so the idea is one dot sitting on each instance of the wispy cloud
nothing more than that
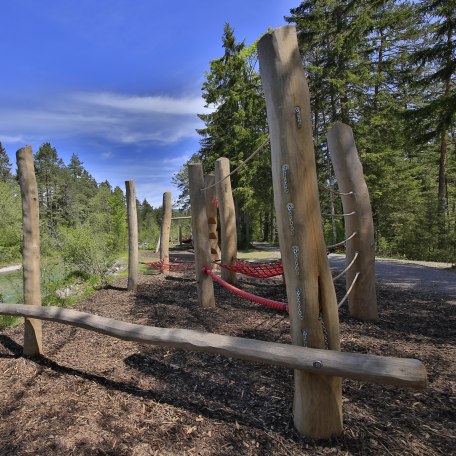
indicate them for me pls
(11, 139)
(116, 118)
(147, 104)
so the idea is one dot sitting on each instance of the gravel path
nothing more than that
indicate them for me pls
(424, 277)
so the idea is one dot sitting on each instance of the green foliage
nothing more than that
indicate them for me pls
(87, 253)
(10, 222)
(236, 128)
(5, 165)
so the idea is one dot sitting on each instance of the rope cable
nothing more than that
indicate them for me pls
(341, 243)
(349, 290)
(339, 215)
(324, 187)
(276, 305)
(348, 267)
(240, 166)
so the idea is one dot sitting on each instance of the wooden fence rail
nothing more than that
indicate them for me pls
(377, 369)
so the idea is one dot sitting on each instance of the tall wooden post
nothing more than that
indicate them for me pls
(31, 250)
(311, 297)
(211, 211)
(165, 230)
(132, 236)
(227, 218)
(362, 300)
(201, 243)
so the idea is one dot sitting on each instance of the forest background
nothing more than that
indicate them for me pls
(386, 68)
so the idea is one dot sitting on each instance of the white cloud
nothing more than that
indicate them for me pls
(12, 139)
(147, 104)
(109, 117)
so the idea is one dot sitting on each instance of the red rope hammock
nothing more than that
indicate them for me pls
(276, 305)
(251, 269)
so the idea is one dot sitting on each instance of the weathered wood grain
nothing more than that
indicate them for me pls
(133, 254)
(311, 296)
(201, 243)
(348, 169)
(31, 250)
(228, 232)
(403, 372)
(165, 230)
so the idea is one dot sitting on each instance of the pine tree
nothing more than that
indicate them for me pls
(237, 126)
(5, 165)
(435, 114)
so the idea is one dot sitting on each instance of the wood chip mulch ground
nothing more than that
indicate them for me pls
(95, 395)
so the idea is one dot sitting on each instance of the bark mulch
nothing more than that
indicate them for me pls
(95, 395)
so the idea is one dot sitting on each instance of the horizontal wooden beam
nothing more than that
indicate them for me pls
(186, 217)
(377, 369)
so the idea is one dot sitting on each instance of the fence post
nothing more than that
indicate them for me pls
(362, 300)
(211, 210)
(132, 235)
(201, 243)
(31, 250)
(227, 218)
(312, 301)
(165, 230)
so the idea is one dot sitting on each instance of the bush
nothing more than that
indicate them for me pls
(86, 253)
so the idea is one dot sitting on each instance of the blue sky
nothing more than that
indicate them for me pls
(117, 82)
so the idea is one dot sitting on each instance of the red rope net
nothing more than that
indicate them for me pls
(251, 269)
(276, 305)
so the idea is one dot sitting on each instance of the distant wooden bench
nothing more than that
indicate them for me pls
(404, 372)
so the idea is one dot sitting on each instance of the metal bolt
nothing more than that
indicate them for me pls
(285, 177)
(298, 116)
(317, 364)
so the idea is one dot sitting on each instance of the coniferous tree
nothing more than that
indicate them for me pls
(5, 165)
(236, 127)
(434, 114)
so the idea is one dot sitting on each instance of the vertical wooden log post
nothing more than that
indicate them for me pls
(132, 236)
(211, 211)
(312, 301)
(201, 242)
(31, 250)
(227, 218)
(165, 230)
(362, 300)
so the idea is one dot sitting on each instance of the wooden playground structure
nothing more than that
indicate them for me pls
(315, 353)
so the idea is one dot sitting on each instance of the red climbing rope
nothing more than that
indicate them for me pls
(276, 305)
(175, 265)
(259, 270)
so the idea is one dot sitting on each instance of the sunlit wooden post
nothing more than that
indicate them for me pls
(132, 235)
(211, 210)
(362, 300)
(311, 297)
(227, 218)
(31, 249)
(165, 230)
(201, 242)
